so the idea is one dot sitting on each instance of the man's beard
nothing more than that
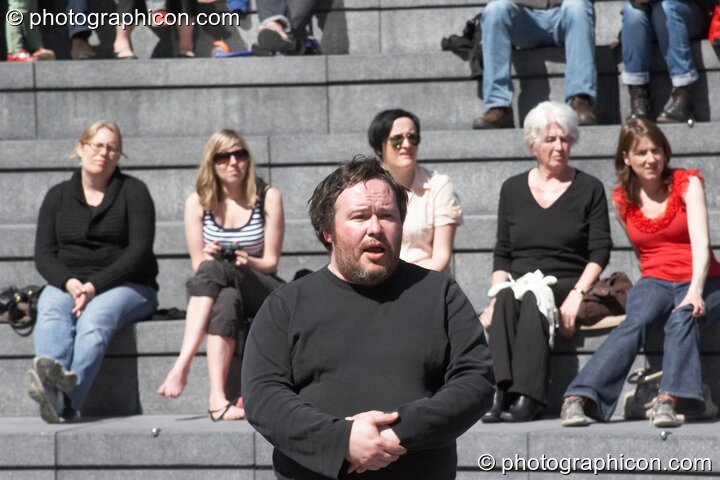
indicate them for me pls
(349, 266)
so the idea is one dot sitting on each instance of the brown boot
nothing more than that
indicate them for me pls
(495, 117)
(582, 106)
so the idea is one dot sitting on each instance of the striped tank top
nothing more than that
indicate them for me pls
(251, 236)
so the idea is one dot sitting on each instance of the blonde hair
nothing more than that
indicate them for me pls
(207, 184)
(92, 130)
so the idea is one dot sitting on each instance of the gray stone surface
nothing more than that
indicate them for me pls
(17, 115)
(167, 74)
(129, 442)
(16, 77)
(27, 444)
(237, 473)
(184, 111)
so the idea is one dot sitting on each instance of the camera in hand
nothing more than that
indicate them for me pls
(228, 253)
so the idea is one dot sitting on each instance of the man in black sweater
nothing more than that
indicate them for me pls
(371, 365)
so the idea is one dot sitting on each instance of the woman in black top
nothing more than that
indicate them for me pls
(552, 218)
(94, 244)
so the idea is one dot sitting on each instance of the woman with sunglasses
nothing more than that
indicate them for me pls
(234, 227)
(552, 219)
(94, 246)
(433, 211)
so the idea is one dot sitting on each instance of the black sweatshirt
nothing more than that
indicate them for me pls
(321, 349)
(107, 245)
(559, 240)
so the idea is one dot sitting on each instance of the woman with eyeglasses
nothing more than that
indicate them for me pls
(94, 247)
(553, 241)
(433, 212)
(234, 226)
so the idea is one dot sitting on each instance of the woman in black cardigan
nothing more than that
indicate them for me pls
(93, 246)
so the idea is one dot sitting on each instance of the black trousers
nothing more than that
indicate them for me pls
(519, 337)
(238, 292)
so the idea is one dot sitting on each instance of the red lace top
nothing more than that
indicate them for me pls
(663, 243)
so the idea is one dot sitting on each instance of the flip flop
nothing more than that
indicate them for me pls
(222, 411)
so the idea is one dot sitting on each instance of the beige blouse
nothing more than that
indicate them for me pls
(432, 203)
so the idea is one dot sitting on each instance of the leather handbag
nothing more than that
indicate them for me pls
(606, 297)
(18, 307)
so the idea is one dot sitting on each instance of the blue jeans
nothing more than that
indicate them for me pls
(505, 23)
(79, 343)
(673, 23)
(650, 301)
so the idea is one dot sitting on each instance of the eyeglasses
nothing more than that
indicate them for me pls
(224, 157)
(396, 141)
(98, 147)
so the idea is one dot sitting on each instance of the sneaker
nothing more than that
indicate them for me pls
(52, 373)
(582, 106)
(572, 413)
(663, 413)
(20, 56)
(44, 54)
(495, 117)
(50, 399)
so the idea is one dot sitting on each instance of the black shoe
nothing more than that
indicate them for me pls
(524, 409)
(493, 415)
(677, 109)
(583, 107)
(639, 102)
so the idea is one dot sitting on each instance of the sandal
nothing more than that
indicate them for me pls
(123, 54)
(222, 411)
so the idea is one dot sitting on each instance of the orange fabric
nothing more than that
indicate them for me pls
(663, 243)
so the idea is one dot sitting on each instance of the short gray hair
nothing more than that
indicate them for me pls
(543, 115)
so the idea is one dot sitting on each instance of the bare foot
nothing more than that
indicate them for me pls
(174, 384)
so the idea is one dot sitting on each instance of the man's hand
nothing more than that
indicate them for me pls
(370, 448)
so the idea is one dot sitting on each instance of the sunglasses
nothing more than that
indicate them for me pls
(224, 157)
(396, 141)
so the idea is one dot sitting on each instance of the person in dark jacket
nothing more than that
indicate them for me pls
(94, 247)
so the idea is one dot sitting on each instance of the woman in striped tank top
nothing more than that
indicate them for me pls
(234, 227)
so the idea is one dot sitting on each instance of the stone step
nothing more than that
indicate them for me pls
(191, 447)
(291, 95)
(342, 27)
(140, 356)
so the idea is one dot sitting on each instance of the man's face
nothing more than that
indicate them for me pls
(366, 239)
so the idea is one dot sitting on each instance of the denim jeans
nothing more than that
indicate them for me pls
(673, 23)
(650, 301)
(79, 343)
(505, 23)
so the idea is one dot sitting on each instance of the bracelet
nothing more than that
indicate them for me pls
(579, 290)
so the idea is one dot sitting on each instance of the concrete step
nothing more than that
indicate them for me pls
(140, 356)
(176, 98)
(341, 26)
(476, 161)
(191, 447)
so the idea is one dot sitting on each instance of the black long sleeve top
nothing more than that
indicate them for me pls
(559, 240)
(321, 349)
(105, 245)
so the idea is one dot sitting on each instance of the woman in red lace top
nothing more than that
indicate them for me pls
(664, 214)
